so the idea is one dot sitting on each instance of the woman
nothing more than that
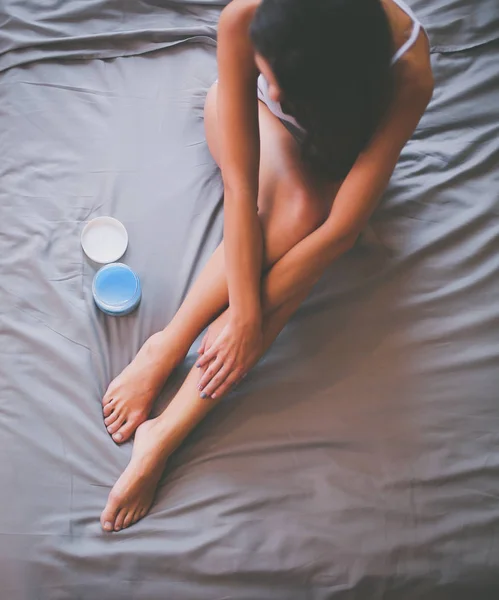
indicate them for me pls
(315, 101)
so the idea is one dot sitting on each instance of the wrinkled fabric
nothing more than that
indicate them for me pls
(359, 459)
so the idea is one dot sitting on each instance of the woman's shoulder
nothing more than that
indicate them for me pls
(238, 13)
(413, 72)
(236, 55)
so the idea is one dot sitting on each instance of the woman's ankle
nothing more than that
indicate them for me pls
(178, 340)
(162, 350)
(161, 353)
(156, 359)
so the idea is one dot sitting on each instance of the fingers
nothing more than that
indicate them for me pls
(216, 381)
(207, 357)
(226, 379)
(227, 385)
(210, 373)
(202, 348)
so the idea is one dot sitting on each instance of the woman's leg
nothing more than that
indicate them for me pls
(291, 205)
(155, 440)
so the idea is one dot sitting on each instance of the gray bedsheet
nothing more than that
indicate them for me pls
(360, 459)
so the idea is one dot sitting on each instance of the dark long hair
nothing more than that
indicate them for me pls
(332, 60)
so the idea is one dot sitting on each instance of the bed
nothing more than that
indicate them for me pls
(360, 458)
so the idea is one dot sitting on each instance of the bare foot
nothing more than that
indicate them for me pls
(133, 493)
(129, 398)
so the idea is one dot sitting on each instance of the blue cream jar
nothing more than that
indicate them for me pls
(116, 289)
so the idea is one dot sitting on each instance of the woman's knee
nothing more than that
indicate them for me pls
(307, 211)
(294, 216)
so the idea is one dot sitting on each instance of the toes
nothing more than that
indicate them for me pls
(108, 408)
(109, 514)
(128, 520)
(139, 514)
(113, 428)
(118, 524)
(111, 419)
(108, 397)
(125, 432)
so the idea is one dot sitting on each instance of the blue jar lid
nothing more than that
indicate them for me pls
(116, 289)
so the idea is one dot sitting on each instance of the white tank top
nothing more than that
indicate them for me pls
(275, 107)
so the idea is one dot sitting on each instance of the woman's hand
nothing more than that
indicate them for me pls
(228, 351)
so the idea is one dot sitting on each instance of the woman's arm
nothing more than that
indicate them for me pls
(357, 198)
(239, 160)
(290, 280)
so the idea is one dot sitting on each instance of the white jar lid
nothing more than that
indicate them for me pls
(104, 240)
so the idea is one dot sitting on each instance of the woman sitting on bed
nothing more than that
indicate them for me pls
(315, 101)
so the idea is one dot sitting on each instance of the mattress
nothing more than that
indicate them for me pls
(360, 458)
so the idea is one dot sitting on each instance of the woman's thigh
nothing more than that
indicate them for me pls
(292, 201)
